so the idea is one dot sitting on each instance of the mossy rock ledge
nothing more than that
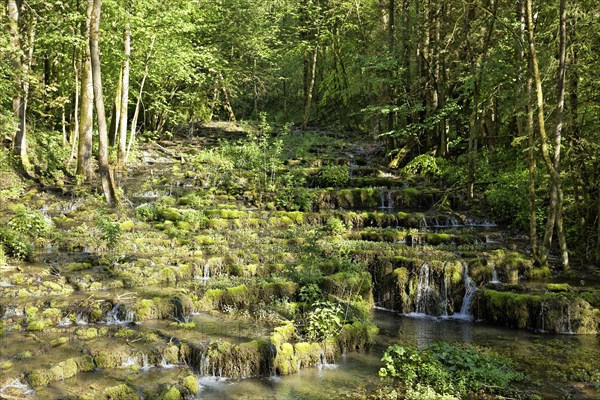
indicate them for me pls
(548, 312)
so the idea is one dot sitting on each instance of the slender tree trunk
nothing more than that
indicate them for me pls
(75, 131)
(138, 103)
(115, 113)
(533, 240)
(562, 72)
(541, 121)
(85, 166)
(21, 61)
(391, 50)
(124, 98)
(108, 186)
(310, 88)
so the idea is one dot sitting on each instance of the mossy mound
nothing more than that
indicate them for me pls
(550, 312)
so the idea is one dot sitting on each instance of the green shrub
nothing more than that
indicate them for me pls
(110, 230)
(147, 212)
(333, 176)
(325, 320)
(29, 222)
(16, 244)
(450, 369)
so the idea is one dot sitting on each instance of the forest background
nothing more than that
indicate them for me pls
(496, 98)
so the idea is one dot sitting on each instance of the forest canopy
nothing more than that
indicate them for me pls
(497, 98)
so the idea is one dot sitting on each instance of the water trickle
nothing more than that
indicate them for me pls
(15, 389)
(119, 315)
(445, 292)
(423, 290)
(387, 201)
(324, 364)
(470, 289)
(145, 365)
(494, 275)
(130, 362)
(165, 364)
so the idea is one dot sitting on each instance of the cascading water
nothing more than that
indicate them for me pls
(470, 289)
(423, 290)
(15, 389)
(387, 202)
(494, 275)
(119, 315)
(445, 293)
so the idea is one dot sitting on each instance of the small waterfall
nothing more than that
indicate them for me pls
(565, 325)
(145, 365)
(423, 290)
(325, 364)
(119, 315)
(445, 293)
(206, 273)
(15, 389)
(494, 275)
(470, 289)
(165, 364)
(387, 202)
(130, 362)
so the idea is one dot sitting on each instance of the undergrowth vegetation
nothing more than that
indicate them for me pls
(449, 369)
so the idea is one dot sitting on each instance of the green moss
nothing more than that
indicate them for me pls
(190, 382)
(120, 392)
(307, 354)
(36, 326)
(539, 273)
(285, 361)
(127, 226)
(558, 287)
(125, 333)
(58, 342)
(87, 333)
(283, 334)
(438, 238)
(76, 266)
(6, 365)
(38, 378)
(172, 394)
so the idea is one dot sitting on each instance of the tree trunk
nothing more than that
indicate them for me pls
(108, 186)
(310, 88)
(560, 107)
(541, 123)
(391, 50)
(75, 131)
(124, 98)
(21, 62)
(138, 104)
(115, 113)
(86, 112)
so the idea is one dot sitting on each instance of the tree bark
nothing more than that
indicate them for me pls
(562, 72)
(86, 112)
(310, 88)
(550, 164)
(21, 62)
(108, 186)
(138, 104)
(124, 98)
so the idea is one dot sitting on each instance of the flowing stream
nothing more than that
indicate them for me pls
(358, 370)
